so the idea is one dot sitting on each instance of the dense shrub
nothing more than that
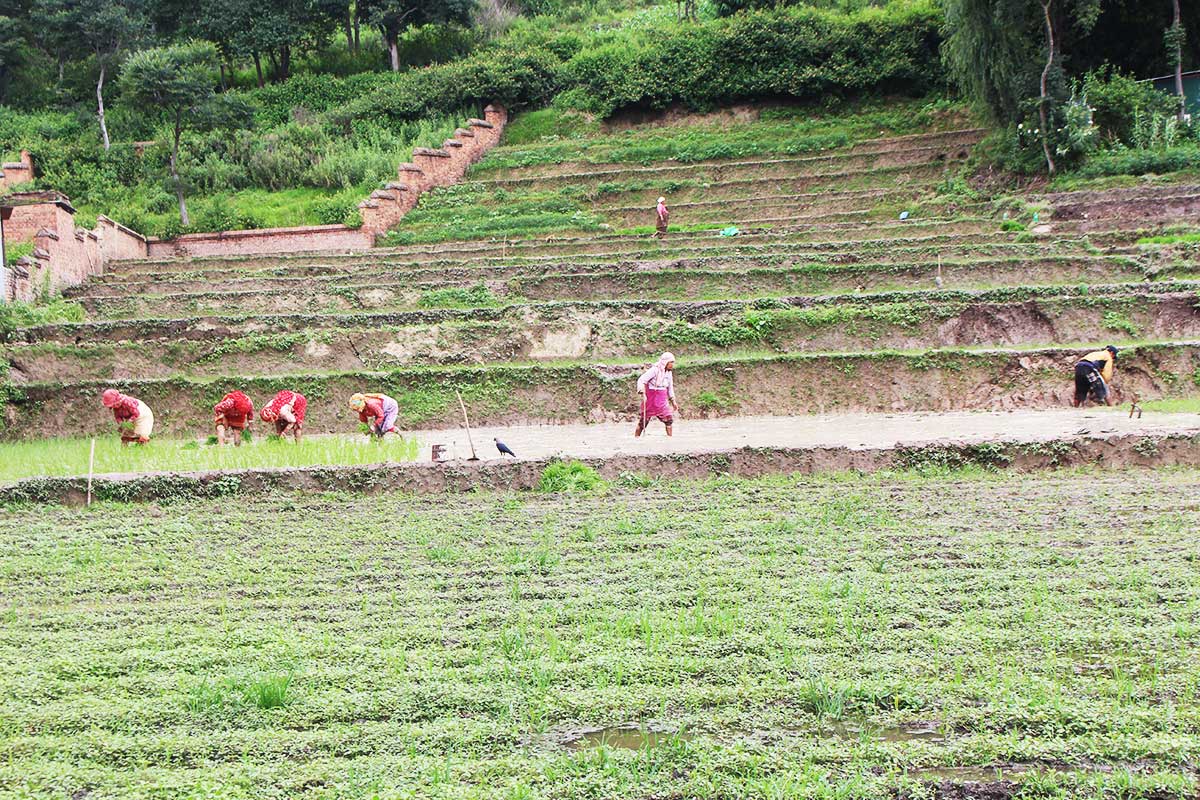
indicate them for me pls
(1142, 162)
(572, 476)
(799, 52)
(1118, 100)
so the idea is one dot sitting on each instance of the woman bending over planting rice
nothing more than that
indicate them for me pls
(378, 411)
(656, 393)
(135, 420)
(232, 416)
(286, 410)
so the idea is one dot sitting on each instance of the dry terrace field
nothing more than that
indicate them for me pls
(1025, 635)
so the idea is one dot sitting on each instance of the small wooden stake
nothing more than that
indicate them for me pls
(467, 423)
(91, 468)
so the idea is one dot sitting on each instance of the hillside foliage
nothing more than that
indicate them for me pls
(336, 94)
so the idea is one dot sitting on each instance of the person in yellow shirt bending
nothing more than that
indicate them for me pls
(1093, 373)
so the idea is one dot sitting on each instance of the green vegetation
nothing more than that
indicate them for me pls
(789, 638)
(49, 457)
(477, 209)
(458, 297)
(1172, 238)
(570, 476)
(1055, 116)
(24, 315)
(15, 251)
(337, 132)
(784, 130)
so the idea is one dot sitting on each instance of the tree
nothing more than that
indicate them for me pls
(1044, 84)
(104, 27)
(1175, 38)
(178, 81)
(394, 17)
(12, 50)
(1007, 54)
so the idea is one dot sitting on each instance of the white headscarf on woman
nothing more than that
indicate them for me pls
(658, 376)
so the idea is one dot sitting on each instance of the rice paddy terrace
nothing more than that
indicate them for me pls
(709, 624)
(826, 300)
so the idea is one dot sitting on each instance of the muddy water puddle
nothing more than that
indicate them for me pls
(988, 774)
(624, 737)
(907, 732)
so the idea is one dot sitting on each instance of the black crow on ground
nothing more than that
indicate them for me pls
(504, 449)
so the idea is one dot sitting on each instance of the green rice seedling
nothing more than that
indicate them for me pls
(634, 480)
(544, 558)
(824, 699)
(573, 476)
(443, 554)
(272, 691)
(512, 643)
(52, 457)
(206, 696)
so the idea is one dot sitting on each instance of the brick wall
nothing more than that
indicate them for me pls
(431, 168)
(267, 240)
(63, 255)
(16, 173)
(68, 256)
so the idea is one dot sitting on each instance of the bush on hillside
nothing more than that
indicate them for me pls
(1117, 101)
(798, 52)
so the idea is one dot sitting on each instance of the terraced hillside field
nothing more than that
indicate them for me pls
(825, 301)
(940, 629)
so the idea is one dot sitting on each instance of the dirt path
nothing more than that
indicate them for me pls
(849, 430)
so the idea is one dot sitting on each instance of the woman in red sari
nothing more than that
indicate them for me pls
(232, 416)
(286, 410)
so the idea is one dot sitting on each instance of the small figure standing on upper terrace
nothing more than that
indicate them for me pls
(661, 217)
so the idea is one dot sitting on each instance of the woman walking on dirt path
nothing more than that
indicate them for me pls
(656, 394)
(232, 416)
(377, 410)
(135, 420)
(286, 410)
(1093, 373)
(661, 217)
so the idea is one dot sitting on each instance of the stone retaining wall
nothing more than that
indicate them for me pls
(1113, 452)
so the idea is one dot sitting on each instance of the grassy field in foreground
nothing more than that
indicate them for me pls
(48, 457)
(829, 637)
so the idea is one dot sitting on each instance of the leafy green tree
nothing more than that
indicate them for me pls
(178, 81)
(394, 17)
(1008, 54)
(102, 28)
(12, 46)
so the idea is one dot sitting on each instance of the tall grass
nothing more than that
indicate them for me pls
(574, 476)
(57, 457)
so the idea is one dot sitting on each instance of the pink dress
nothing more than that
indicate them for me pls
(659, 386)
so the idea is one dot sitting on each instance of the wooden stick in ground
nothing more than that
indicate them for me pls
(91, 468)
(467, 423)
